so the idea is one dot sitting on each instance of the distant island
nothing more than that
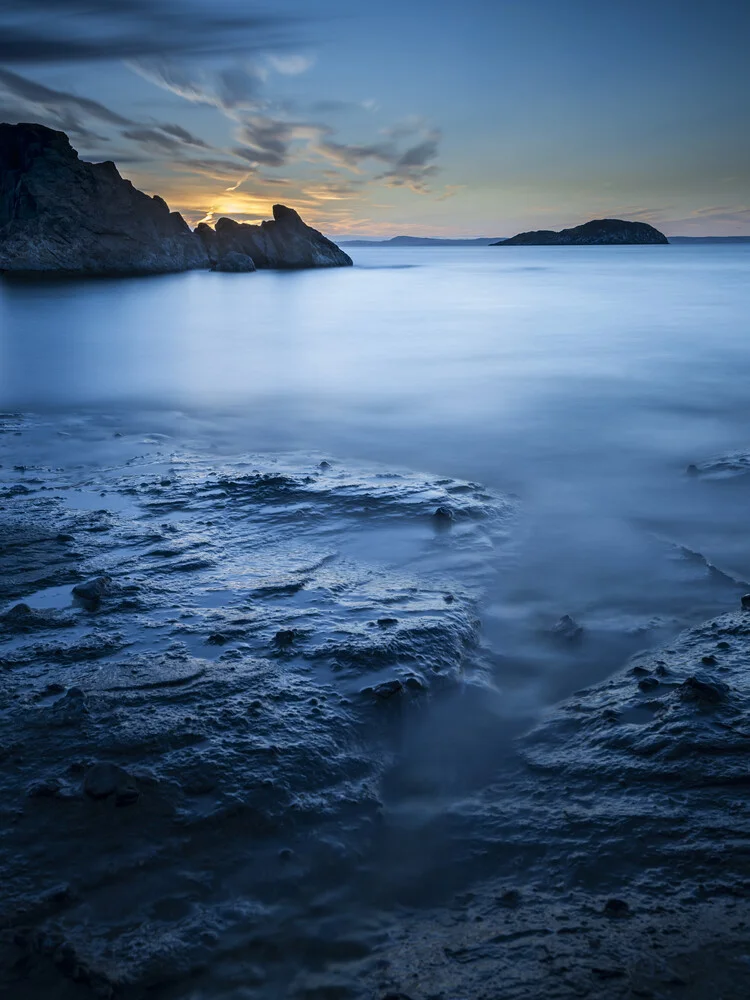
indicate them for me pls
(423, 241)
(596, 232)
(60, 214)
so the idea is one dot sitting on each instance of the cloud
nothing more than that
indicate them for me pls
(97, 30)
(352, 155)
(183, 135)
(291, 64)
(339, 190)
(40, 99)
(273, 134)
(164, 138)
(414, 166)
(267, 141)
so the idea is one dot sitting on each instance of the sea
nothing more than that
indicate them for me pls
(407, 572)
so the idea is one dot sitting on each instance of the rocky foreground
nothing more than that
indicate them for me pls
(60, 214)
(598, 231)
(239, 760)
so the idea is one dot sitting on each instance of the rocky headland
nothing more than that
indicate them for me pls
(63, 215)
(285, 242)
(598, 231)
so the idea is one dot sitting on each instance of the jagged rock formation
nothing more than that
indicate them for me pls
(59, 213)
(599, 231)
(286, 242)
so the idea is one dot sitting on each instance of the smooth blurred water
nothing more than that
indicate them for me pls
(583, 379)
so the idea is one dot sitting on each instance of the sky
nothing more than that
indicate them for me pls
(425, 117)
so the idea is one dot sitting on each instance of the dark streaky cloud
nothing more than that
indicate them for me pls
(96, 30)
(36, 94)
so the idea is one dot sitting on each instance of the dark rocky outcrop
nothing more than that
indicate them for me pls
(59, 213)
(286, 242)
(599, 231)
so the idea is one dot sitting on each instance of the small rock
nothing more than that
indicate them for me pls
(443, 516)
(286, 854)
(745, 602)
(704, 690)
(723, 645)
(661, 670)
(510, 898)
(285, 637)
(616, 908)
(18, 612)
(709, 661)
(692, 470)
(414, 684)
(324, 465)
(449, 598)
(567, 628)
(69, 709)
(639, 672)
(103, 780)
(92, 591)
(54, 688)
(608, 973)
(217, 639)
(387, 689)
(648, 683)
(63, 537)
(385, 622)
(44, 788)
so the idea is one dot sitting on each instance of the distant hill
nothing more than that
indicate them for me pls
(486, 241)
(594, 233)
(420, 241)
(709, 239)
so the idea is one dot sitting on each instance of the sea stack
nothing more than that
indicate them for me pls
(596, 232)
(60, 213)
(285, 242)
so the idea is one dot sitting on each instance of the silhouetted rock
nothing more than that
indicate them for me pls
(285, 242)
(567, 628)
(92, 591)
(598, 231)
(59, 213)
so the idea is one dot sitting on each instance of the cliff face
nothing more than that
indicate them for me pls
(599, 231)
(59, 213)
(286, 242)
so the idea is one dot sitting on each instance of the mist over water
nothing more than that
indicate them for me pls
(584, 380)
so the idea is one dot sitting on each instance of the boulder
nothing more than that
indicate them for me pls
(285, 242)
(59, 213)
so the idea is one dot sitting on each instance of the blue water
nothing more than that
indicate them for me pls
(583, 380)
(338, 710)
